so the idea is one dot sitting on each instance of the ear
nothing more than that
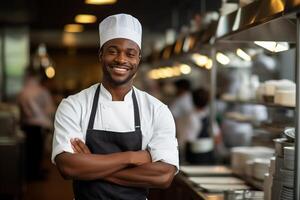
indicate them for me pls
(100, 53)
(100, 56)
(140, 57)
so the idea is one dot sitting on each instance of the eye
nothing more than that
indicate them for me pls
(112, 51)
(131, 54)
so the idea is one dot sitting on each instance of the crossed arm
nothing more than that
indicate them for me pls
(131, 168)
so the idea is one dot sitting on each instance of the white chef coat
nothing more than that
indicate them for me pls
(157, 123)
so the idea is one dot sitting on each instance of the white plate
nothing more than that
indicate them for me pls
(216, 180)
(223, 187)
(205, 170)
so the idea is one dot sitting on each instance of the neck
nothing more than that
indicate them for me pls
(117, 92)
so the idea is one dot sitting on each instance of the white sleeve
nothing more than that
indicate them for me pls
(163, 145)
(66, 126)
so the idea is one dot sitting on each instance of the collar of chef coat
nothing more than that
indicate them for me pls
(105, 95)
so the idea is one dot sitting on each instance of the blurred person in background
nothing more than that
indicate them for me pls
(113, 140)
(200, 145)
(37, 109)
(181, 108)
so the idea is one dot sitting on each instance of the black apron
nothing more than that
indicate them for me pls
(206, 158)
(106, 142)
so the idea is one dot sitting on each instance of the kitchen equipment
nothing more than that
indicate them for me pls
(280, 143)
(290, 134)
(289, 156)
(260, 167)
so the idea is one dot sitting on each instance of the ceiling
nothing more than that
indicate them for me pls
(46, 18)
(54, 14)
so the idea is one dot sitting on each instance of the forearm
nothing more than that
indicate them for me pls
(91, 166)
(151, 175)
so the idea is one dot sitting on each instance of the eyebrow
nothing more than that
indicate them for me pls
(128, 49)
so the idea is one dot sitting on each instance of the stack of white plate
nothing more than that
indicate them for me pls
(282, 92)
(260, 167)
(240, 156)
(280, 143)
(282, 170)
(287, 193)
(289, 156)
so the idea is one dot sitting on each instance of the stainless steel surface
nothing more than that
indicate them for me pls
(213, 84)
(260, 20)
(297, 138)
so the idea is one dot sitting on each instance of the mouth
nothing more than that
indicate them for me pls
(120, 69)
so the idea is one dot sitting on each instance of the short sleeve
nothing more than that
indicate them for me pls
(163, 145)
(66, 126)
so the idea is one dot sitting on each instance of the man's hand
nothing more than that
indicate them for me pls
(79, 146)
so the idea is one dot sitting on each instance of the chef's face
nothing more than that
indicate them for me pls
(120, 59)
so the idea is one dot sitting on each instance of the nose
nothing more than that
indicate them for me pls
(120, 58)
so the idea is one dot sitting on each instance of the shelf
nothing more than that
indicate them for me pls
(258, 103)
(260, 20)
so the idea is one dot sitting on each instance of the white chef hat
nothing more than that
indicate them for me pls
(120, 26)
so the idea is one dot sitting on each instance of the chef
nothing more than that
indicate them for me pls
(112, 139)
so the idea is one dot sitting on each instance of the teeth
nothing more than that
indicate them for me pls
(120, 69)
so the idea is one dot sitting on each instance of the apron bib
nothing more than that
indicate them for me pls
(106, 142)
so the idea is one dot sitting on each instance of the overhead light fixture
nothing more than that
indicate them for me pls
(209, 64)
(273, 46)
(243, 54)
(186, 44)
(50, 72)
(185, 69)
(222, 58)
(85, 19)
(73, 28)
(199, 59)
(100, 2)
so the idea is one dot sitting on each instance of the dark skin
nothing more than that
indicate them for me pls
(119, 59)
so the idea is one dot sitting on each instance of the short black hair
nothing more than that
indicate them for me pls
(183, 84)
(200, 97)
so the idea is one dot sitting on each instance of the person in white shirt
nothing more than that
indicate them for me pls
(37, 110)
(112, 139)
(181, 108)
(200, 142)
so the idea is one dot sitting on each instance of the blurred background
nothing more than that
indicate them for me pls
(49, 50)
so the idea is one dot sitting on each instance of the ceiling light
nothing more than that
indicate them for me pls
(73, 28)
(176, 71)
(281, 46)
(85, 19)
(243, 54)
(50, 72)
(100, 2)
(186, 44)
(209, 64)
(199, 59)
(273, 46)
(222, 58)
(185, 69)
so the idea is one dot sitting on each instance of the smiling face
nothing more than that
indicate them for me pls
(120, 59)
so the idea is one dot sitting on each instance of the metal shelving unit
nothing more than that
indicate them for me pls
(267, 20)
(259, 103)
